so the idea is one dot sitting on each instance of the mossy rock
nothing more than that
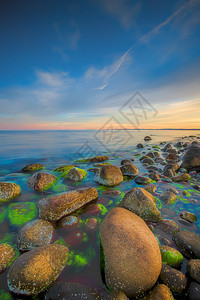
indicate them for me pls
(171, 256)
(64, 168)
(33, 167)
(8, 191)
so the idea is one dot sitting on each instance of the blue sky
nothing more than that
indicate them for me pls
(73, 64)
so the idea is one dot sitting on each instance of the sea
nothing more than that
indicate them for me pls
(54, 148)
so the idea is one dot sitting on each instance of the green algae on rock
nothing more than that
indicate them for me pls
(171, 256)
(7, 254)
(75, 174)
(42, 181)
(142, 203)
(53, 208)
(169, 226)
(109, 176)
(95, 159)
(34, 271)
(34, 234)
(63, 168)
(33, 167)
(188, 216)
(8, 191)
(21, 212)
(3, 213)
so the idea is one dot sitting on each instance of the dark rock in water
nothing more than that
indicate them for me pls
(63, 168)
(166, 179)
(33, 167)
(154, 176)
(95, 159)
(142, 180)
(188, 216)
(109, 176)
(129, 170)
(91, 224)
(132, 254)
(168, 197)
(188, 243)
(173, 278)
(167, 147)
(34, 271)
(150, 188)
(148, 160)
(42, 181)
(147, 138)
(172, 157)
(112, 192)
(140, 146)
(71, 291)
(169, 226)
(117, 295)
(53, 208)
(173, 190)
(191, 158)
(181, 177)
(172, 166)
(169, 173)
(8, 191)
(94, 170)
(159, 160)
(179, 144)
(126, 161)
(196, 187)
(7, 254)
(159, 292)
(34, 234)
(194, 291)
(68, 221)
(193, 268)
(153, 169)
(142, 203)
(171, 256)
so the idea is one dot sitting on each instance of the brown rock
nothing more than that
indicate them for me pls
(173, 278)
(181, 177)
(129, 170)
(154, 176)
(8, 191)
(42, 181)
(7, 254)
(168, 197)
(117, 295)
(109, 176)
(193, 268)
(159, 292)
(188, 243)
(33, 167)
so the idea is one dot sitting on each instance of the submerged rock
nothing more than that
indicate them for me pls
(150, 188)
(168, 197)
(132, 254)
(193, 268)
(42, 181)
(173, 278)
(8, 191)
(188, 243)
(63, 168)
(95, 159)
(181, 177)
(171, 256)
(53, 208)
(109, 176)
(159, 292)
(34, 234)
(188, 216)
(142, 180)
(34, 271)
(129, 170)
(7, 254)
(142, 203)
(33, 167)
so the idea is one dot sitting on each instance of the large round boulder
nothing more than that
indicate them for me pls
(191, 158)
(8, 191)
(132, 254)
(109, 175)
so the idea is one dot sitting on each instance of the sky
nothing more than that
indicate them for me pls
(82, 64)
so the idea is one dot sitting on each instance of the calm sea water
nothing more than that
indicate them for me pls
(54, 148)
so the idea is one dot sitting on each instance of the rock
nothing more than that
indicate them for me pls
(109, 176)
(169, 173)
(173, 190)
(33, 167)
(168, 197)
(188, 216)
(153, 169)
(95, 159)
(159, 160)
(126, 161)
(148, 161)
(112, 192)
(75, 174)
(117, 295)
(194, 291)
(167, 147)
(150, 188)
(53, 208)
(7, 254)
(196, 187)
(154, 176)
(8, 191)
(34, 234)
(172, 166)
(34, 271)
(91, 224)
(42, 181)
(129, 170)
(147, 138)
(188, 243)
(132, 254)
(69, 222)
(179, 144)
(142, 180)
(140, 146)
(173, 278)
(193, 268)
(142, 203)
(171, 256)
(166, 179)
(191, 158)
(172, 157)
(169, 226)
(181, 177)
(63, 168)
(159, 292)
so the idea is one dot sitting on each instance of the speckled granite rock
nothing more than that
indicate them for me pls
(33, 167)
(159, 292)
(188, 243)
(173, 278)
(42, 181)
(8, 191)
(7, 254)
(109, 176)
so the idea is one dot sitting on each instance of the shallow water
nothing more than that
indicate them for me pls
(54, 148)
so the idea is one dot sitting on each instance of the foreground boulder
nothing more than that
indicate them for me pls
(188, 243)
(33, 167)
(42, 181)
(34, 271)
(9, 191)
(34, 234)
(7, 254)
(191, 159)
(109, 176)
(53, 208)
(142, 203)
(159, 292)
(132, 254)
